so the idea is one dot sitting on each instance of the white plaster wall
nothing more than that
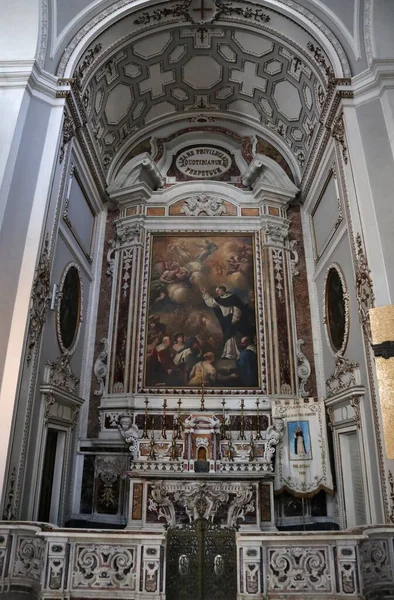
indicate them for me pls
(19, 29)
(383, 26)
(379, 163)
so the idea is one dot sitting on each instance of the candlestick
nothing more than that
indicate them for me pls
(252, 451)
(179, 421)
(145, 431)
(242, 424)
(163, 421)
(152, 454)
(202, 406)
(223, 425)
(258, 434)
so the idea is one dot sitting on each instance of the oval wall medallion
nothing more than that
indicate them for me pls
(69, 308)
(336, 319)
(203, 162)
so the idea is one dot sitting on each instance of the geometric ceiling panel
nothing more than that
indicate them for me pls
(180, 94)
(273, 67)
(248, 78)
(153, 45)
(159, 110)
(308, 96)
(253, 44)
(227, 52)
(180, 72)
(132, 70)
(118, 102)
(177, 53)
(243, 107)
(287, 100)
(202, 72)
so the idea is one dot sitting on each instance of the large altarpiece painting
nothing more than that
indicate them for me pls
(201, 321)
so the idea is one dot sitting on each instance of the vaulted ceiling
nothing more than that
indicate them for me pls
(231, 61)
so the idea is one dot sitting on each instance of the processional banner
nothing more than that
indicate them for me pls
(302, 464)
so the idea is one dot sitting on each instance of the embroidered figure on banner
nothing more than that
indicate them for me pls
(299, 440)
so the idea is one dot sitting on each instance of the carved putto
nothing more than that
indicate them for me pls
(129, 433)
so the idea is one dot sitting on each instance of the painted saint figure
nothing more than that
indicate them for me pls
(230, 312)
(299, 443)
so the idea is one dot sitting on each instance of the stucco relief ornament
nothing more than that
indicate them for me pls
(39, 299)
(338, 133)
(303, 370)
(364, 287)
(61, 375)
(345, 376)
(100, 368)
(294, 258)
(87, 60)
(68, 133)
(203, 205)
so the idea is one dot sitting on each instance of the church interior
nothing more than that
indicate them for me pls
(197, 333)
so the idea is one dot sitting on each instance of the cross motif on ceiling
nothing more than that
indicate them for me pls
(204, 9)
(248, 78)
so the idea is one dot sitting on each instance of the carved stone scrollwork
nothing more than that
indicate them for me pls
(303, 370)
(60, 374)
(391, 483)
(338, 133)
(111, 258)
(29, 558)
(344, 377)
(68, 133)
(8, 514)
(49, 402)
(294, 258)
(375, 562)
(355, 404)
(202, 500)
(203, 205)
(115, 568)
(364, 287)
(39, 299)
(287, 564)
(109, 468)
(100, 368)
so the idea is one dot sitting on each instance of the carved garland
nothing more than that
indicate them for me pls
(39, 299)
(364, 287)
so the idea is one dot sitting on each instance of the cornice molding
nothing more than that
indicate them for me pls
(28, 74)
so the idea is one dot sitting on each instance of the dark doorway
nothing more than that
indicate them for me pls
(47, 476)
(201, 562)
